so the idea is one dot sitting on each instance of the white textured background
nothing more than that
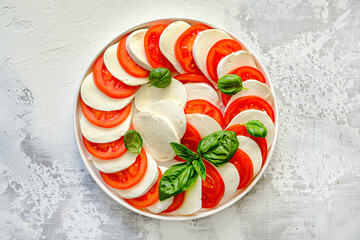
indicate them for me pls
(312, 186)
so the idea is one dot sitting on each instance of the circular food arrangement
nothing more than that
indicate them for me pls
(176, 119)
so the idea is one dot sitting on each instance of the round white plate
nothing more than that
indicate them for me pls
(110, 191)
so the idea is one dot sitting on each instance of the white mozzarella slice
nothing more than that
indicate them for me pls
(115, 165)
(136, 48)
(235, 60)
(112, 64)
(253, 114)
(170, 111)
(202, 91)
(175, 92)
(204, 124)
(97, 134)
(160, 206)
(192, 200)
(157, 134)
(168, 39)
(252, 149)
(231, 178)
(95, 98)
(202, 45)
(145, 184)
(254, 88)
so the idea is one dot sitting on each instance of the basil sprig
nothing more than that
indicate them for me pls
(160, 77)
(230, 84)
(133, 141)
(256, 128)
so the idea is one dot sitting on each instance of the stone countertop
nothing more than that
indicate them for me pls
(311, 188)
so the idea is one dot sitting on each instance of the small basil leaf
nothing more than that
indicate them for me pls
(133, 141)
(230, 84)
(183, 152)
(199, 167)
(160, 77)
(176, 179)
(256, 128)
(218, 147)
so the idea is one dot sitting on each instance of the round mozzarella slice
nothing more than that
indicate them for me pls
(254, 88)
(202, 91)
(170, 111)
(160, 206)
(136, 49)
(175, 92)
(97, 134)
(251, 148)
(168, 39)
(115, 165)
(192, 200)
(114, 67)
(235, 60)
(145, 184)
(157, 134)
(231, 178)
(202, 45)
(253, 114)
(96, 99)
(204, 124)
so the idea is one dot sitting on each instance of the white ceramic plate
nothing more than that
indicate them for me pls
(110, 191)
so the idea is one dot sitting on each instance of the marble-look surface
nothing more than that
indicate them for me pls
(312, 186)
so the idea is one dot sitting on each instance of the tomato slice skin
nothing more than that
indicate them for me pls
(178, 200)
(148, 198)
(247, 72)
(108, 84)
(261, 142)
(246, 103)
(201, 106)
(244, 165)
(212, 188)
(105, 119)
(106, 151)
(152, 48)
(127, 63)
(190, 139)
(192, 78)
(128, 177)
(184, 46)
(217, 52)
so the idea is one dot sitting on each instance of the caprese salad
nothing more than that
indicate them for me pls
(177, 117)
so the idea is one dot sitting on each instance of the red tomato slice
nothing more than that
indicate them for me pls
(184, 46)
(108, 84)
(128, 177)
(178, 200)
(105, 119)
(190, 139)
(148, 198)
(217, 52)
(225, 98)
(152, 48)
(244, 165)
(106, 151)
(246, 103)
(241, 130)
(127, 63)
(247, 72)
(212, 188)
(192, 78)
(201, 106)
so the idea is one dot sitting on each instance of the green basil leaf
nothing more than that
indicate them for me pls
(218, 147)
(176, 179)
(230, 84)
(160, 77)
(133, 141)
(199, 167)
(256, 128)
(184, 152)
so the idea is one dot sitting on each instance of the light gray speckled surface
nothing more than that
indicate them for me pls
(312, 186)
